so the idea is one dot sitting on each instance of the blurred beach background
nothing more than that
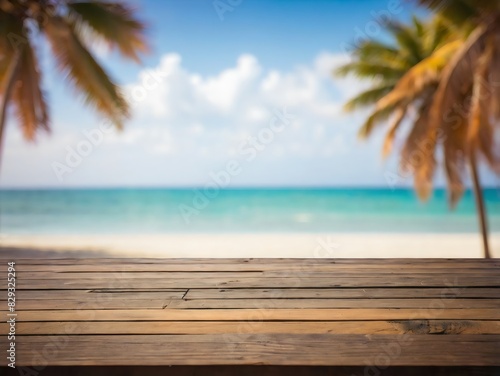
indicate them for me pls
(244, 82)
(319, 222)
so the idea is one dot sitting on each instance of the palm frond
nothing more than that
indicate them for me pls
(11, 28)
(494, 80)
(28, 98)
(453, 134)
(481, 132)
(114, 22)
(391, 134)
(367, 69)
(422, 75)
(418, 27)
(368, 97)
(380, 53)
(458, 12)
(489, 147)
(84, 73)
(457, 76)
(408, 42)
(439, 33)
(417, 155)
(479, 111)
(373, 120)
(455, 162)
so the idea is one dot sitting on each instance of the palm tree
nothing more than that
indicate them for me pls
(405, 76)
(65, 25)
(454, 92)
(469, 90)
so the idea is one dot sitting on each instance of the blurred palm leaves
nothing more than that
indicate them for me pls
(469, 89)
(66, 25)
(405, 76)
(442, 78)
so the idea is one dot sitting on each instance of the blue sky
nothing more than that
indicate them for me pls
(214, 80)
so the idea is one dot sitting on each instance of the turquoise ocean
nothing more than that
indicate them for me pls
(160, 211)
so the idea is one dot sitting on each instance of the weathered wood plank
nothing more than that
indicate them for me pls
(257, 311)
(420, 327)
(102, 303)
(113, 302)
(139, 275)
(451, 274)
(304, 314)
(356, 261)
(291, 282)
(23, 295)
(333, 293)
(329, 269)
(313, 293)
(277, 349)
(332, 303)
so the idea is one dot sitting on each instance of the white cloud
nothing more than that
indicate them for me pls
(221, 110)
(224, 90)
(189, 123)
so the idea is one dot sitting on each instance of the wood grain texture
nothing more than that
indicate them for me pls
(276, 349)
(237, 261)
(307, 312)
(261, 272)
(292, 281)
(297, 327)
(259, 314)
(333, 303)
(339, 293)
(252, 370)
(48, 295)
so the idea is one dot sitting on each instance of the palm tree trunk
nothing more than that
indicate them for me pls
(481, 209)
(6, 93)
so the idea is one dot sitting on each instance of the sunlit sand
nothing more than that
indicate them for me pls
(253, 245)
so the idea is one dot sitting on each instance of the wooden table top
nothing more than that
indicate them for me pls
(314, 312)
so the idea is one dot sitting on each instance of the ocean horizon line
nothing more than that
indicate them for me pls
(291, 209)
(238, 188)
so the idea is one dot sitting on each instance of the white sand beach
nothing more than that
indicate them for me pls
(300, 245)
